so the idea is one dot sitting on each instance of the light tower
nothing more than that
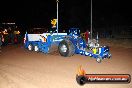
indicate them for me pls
(57, 1)
(91, 20)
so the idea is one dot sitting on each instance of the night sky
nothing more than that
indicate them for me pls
(72, 13)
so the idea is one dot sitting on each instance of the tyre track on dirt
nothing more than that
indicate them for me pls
(15, 75)
(6, 79)
(20, 68)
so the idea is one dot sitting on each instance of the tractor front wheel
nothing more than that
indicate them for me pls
(99, 60)
(109, 56)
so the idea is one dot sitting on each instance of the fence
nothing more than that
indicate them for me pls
(119, 32)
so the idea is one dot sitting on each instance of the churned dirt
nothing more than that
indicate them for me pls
(20, 68)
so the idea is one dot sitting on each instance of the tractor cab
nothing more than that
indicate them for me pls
(74, 32)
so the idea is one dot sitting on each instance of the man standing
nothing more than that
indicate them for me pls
(87, 36)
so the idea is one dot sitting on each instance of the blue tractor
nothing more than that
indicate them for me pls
(68, 44)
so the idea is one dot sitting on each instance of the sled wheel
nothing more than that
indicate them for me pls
(30, 47)
(36, 48)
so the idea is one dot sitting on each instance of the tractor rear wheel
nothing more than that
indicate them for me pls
(66, 48)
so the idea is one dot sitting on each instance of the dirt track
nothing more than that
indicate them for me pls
(20, 68)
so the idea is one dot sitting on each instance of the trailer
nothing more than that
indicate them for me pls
(68, 44)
